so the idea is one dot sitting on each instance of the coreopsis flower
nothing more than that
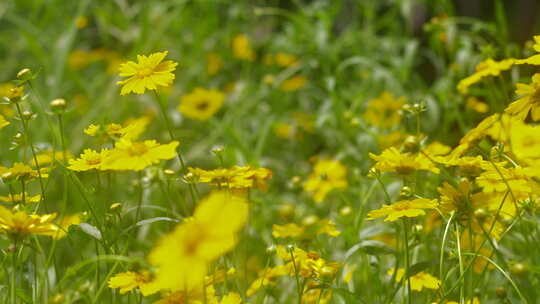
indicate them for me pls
(3, 122)
(306, 230)
(404, 208)
(327, 175)
(15, 93)
(384, 111)
(22, 171)
(308, 264)
(476, 105)
(497, 178)
(235, 177)
(525, 142)
(242, 48)
(129, 280)
(456, 199)
(214, 63)
(182, 256)
(17, 198)
(488, 67)
(391, 160)
(201, 104)
(88, 160)
(284, 59)
(293, 84)
(48, 157)
(418, 281)
(148, 72)
(529, 102)
(130, 129)
(19, 224)
(136, 156)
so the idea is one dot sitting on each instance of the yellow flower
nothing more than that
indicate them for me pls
(327, 175)
(488, 67)
(182, 256)
(407, 208)
(131, 129)
(3, 122)
(383, 111)
(81, 22)
(242, 48)
(391, 160)
(64, 223)
(129, 280)
(128, 155)
(48, 157)
(475, 134)
(308, 264)
(148, 73)
(476, 105)
(88, 160)
(285, 60)
(418, 281)
(21, 171)
(14, 93)
(529, 100)
(293, 83)
(201, 104)
(19, 224)
(525, 142)
(307, 230)
(214, 63)
(235, 177)
(18, 198)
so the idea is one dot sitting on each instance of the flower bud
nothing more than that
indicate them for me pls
(347, 210)
(58, 105)
(518, 269)
(27, 115)
(24, 74)
(405, 192)
(480, 214)
(500, 292)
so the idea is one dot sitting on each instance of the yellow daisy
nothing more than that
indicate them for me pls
(128, 155)
(88, 160)
(148, 73)
(201, 104)
(19, 224)
(3, 122)
(408, 208)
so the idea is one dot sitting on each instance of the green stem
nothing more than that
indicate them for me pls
(407, 265)
(297, 277)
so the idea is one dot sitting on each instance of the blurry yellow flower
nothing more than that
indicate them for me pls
(235, 177)
(384, 111)
(525, 142)
(19, 224)
(17, 198)
(131, 129)
(393, 139)
(48, 157)
(488, 67)
(242, 48)
(419, 281)
(214, 63)
(327, 175)
(293, 83)
(129, 280)
(3, 122)
(475, 134)
(391, 160)
(529, 100)
(308, 264)
(15, 93)
(284, 59)
(148, 73)
(476, 105)
(182, 256)
(64, 223)
(407, 208)
(21, 171)
(128, 155)
(307, 230)
(88, 160)
(201, 104)
(81, 22)
(284, 130)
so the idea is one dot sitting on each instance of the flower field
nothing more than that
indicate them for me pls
(304, 152)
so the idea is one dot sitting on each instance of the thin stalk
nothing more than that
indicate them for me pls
(407, 262)
(297, 277)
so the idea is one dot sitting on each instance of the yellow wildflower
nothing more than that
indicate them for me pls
(327, 175)
(3, 122)
(128, 155)
(529, 100)
(48, 157)
(488, 67)
(129, 280)
(19, 224)
(235, 177)
(407, 208)
(22, 172)
(477, 105)
(81, 22)
(284, 59)
(293, 83)
(148, 73)
(242, 48)
(307, 230)
(182, 256)
(18, 198)
(214, 63)
(391, 160)
(88, 160)
(201, 104)
(525, 142)
(418, 281)
(384, 111)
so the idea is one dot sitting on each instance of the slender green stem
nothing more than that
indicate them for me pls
(407, 261)
(29, 141)
(12, 282)
(169, 129)
(296, 276)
